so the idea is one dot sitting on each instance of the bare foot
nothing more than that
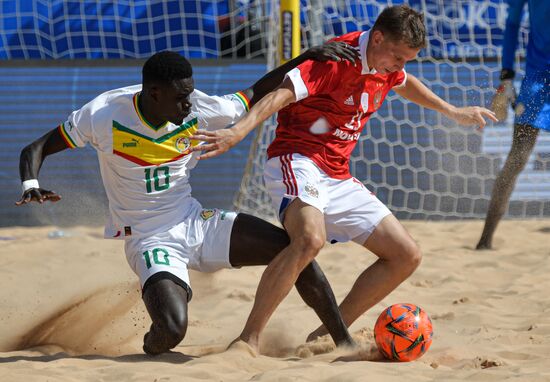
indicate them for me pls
(243, 347)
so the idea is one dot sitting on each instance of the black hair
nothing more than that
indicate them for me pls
(402, 23)
(166, 67)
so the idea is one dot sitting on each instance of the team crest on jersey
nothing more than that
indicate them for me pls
(182, 144)
(311, 190)
(207, 214)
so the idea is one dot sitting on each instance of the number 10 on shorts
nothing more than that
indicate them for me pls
(156, 254)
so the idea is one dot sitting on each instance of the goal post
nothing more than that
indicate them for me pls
(417, 162)
(289, 43)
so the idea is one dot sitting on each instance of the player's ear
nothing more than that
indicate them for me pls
(377, 37)
(154, 92)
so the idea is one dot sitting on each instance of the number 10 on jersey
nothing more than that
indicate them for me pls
(158, 179)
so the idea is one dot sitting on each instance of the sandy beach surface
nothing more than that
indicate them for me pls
(72, 311)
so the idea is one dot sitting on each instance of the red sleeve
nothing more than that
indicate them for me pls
(319, 77)
(398, 79)
(351, 38)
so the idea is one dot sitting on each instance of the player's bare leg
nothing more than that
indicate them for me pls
(398, 257)
(523, 142)
(166, 303)
(306, 229)
(257, 242)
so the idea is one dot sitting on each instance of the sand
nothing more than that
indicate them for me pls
(71, 311)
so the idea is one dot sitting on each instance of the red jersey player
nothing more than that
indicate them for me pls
(323, 108)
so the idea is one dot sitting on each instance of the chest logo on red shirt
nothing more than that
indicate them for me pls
(349, 101)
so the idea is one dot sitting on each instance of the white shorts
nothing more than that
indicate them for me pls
(351, 211)
(200, 242)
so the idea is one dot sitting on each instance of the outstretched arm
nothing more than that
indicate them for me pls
(330, 51)
(417, 92)
(270, 96)
(219, 141)
(30, 162)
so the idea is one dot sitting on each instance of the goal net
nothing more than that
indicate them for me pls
(417, 162)
(91, 29)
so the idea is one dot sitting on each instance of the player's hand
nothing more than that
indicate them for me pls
(38, 195)
(504, 97)
(473, 115)
(217, 142)
(334, 51)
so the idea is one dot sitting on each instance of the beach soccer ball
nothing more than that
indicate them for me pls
(403, 332)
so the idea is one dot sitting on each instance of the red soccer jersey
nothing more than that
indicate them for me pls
(334, 102)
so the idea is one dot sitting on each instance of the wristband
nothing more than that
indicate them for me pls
(28, 184)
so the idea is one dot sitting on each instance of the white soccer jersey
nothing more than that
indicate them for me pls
(145, 169)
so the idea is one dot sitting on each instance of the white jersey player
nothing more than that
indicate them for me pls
(153, 161)
(145, 171)
(142, 136)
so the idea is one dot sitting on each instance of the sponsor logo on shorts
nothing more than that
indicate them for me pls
(182, 144)
(207, 214)
(311, 190)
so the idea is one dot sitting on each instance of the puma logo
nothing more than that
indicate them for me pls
(133, 143)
